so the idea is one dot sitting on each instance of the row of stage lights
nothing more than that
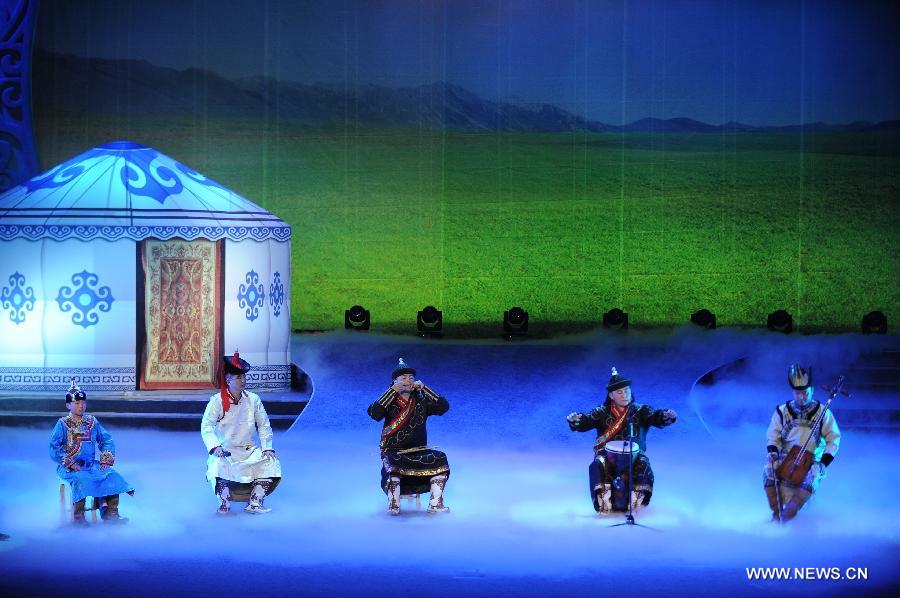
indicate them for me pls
(430, 321)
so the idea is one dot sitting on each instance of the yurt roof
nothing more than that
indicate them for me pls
(127, 190)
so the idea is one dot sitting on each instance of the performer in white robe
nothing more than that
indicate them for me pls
(239, 468)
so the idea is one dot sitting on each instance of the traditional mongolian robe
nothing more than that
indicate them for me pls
(790, 426)
(404, 439)
(72, 442)
(611, 423)
(236, 431)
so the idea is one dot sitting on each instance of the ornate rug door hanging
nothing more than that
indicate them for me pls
(181, 314)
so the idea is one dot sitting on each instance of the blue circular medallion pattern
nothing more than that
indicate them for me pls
(85, 297)
(17, 298)
(276, 294)
(251, 296)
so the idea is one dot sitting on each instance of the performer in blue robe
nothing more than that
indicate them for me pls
(72, 447)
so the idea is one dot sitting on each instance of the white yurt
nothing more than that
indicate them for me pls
(129, 270)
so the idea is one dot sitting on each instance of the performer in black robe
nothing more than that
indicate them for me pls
(611, 420)
(409, 465)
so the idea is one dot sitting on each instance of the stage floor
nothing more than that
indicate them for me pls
(521, 521)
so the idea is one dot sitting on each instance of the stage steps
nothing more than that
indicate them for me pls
(168, 409)
(873, 379)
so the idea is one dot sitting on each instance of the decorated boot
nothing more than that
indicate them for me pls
(604, 499)
(637, 499)
(224, 495)
(257, 497)
(436, 504)
(393, 492)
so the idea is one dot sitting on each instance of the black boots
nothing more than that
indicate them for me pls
(109, 512)
(78, 514)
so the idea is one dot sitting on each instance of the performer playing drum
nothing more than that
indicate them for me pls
(609, 470)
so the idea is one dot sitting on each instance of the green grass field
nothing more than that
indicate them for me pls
(565, 225)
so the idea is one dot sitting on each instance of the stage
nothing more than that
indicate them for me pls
(521, 520)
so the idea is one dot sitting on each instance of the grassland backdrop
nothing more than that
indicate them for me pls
(567, 225)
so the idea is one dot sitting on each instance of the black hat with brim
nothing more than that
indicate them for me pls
(235, 365)
(617, 381)
(75, 394)
(402, 368)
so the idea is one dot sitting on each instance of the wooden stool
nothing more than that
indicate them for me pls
(66, 510)
(411, 497)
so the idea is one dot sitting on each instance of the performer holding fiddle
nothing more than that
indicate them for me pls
(803, 439)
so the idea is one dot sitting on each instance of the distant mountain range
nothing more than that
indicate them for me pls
(74, 84)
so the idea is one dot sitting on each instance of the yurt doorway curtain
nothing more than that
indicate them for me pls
(181, 332)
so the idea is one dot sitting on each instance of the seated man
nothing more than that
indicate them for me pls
(408, 465)
(791, 425)
(237, 467)
(72, 447)
(611, 420)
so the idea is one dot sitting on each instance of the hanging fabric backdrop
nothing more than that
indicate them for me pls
(181, 293)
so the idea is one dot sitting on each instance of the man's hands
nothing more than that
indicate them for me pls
(401, 387)
(221, 453)
(669, 416)
(74, 467)
(575, 418)
(107, 459)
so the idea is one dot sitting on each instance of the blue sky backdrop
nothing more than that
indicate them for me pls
(758, 62)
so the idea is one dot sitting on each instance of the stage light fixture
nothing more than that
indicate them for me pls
(515, 322)
(704, 319)
(430, 321)
(615, 319)
(357, 318)
(780, 321)
(874, 322)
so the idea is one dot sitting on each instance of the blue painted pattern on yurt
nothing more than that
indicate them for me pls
(126, 190)
(94, 253)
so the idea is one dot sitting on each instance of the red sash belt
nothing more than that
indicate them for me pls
(407, 406)
(619, 413)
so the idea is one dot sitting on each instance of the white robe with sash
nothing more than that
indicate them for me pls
(236, 432)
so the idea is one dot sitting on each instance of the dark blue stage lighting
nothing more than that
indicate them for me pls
(780, 321)
(430, 321)
(874, 322)
(515, 322)
(357, 318)
(615, 319)
(704, 319)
